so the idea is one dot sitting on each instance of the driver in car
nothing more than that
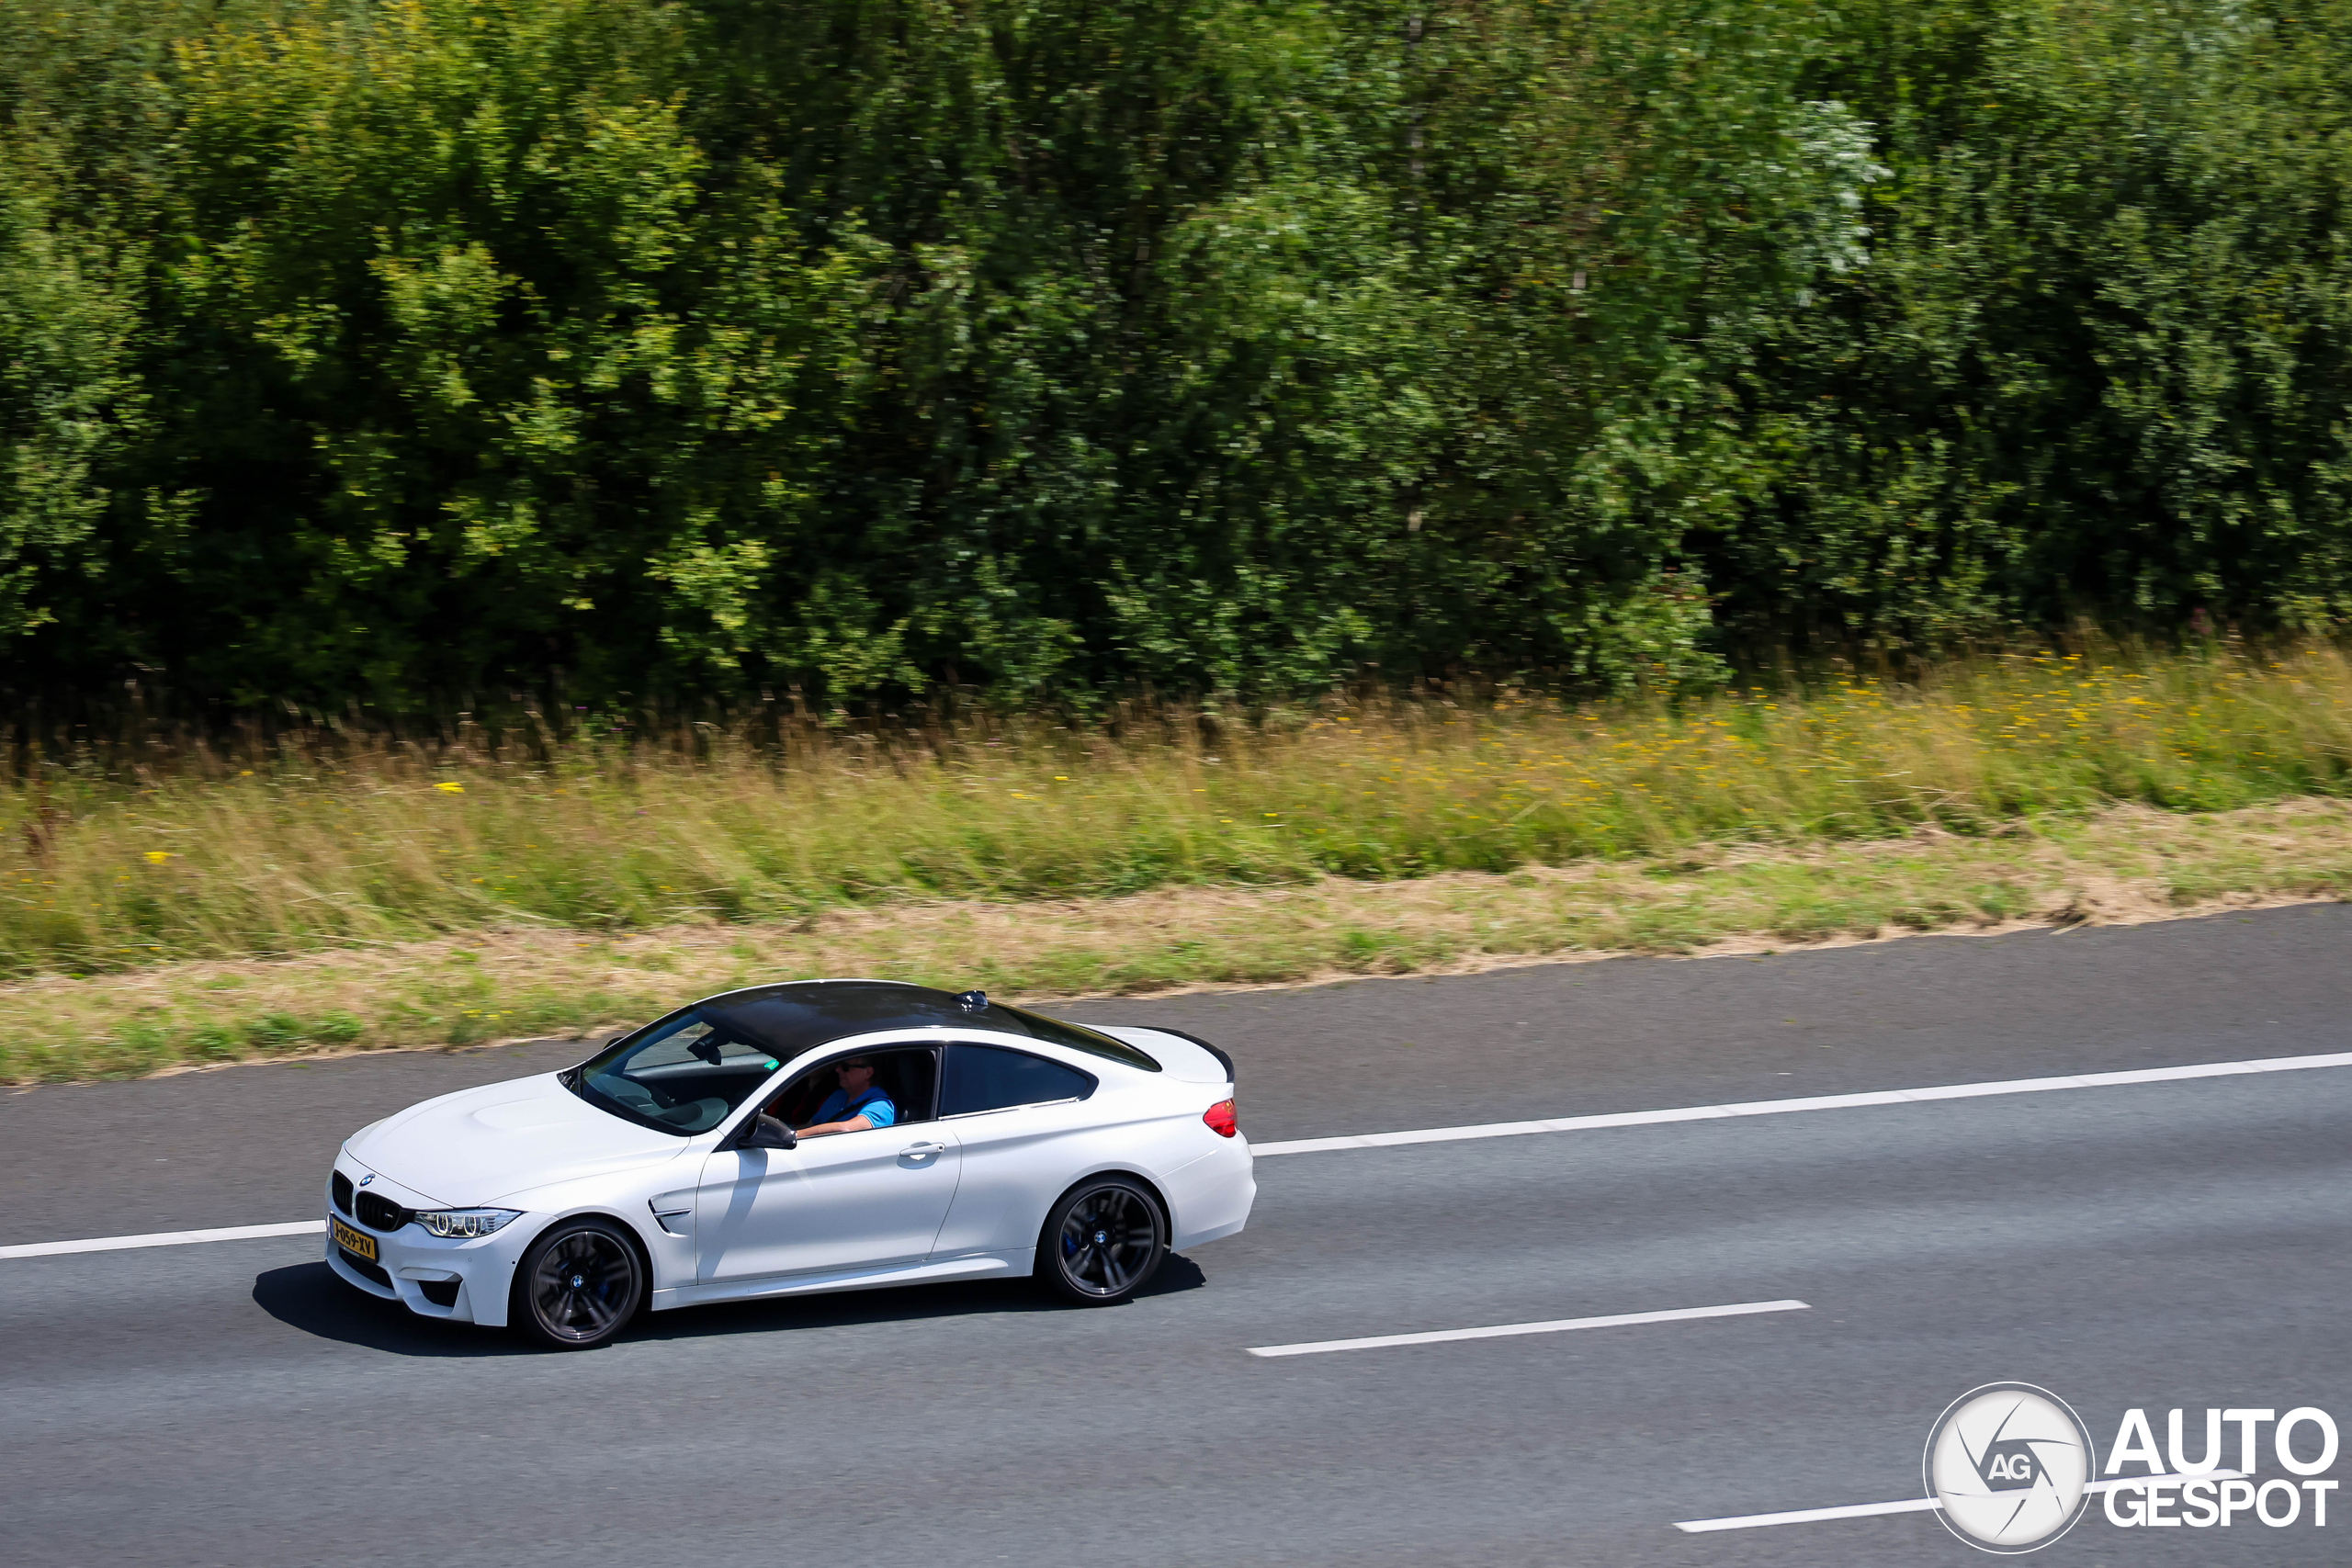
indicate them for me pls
(854, 1107)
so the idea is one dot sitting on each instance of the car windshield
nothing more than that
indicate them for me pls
(681, 1075)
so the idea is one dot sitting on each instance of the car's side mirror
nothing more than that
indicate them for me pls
(767, 1133)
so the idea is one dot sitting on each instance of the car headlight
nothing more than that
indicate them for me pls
(464, 1222)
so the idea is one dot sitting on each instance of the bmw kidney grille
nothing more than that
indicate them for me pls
(379, 1213)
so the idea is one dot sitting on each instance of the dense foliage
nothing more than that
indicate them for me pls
(413, 352)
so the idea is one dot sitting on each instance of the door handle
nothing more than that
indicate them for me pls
(922, 1151)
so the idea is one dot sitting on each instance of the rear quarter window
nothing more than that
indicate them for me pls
(989, 1077)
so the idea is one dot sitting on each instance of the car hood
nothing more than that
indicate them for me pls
(480, 1144)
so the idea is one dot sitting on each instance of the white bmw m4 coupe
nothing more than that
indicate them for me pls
(819, 1136)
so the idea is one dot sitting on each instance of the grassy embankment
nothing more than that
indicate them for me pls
(393, 898)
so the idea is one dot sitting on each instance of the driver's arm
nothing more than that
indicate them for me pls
(855, 1125)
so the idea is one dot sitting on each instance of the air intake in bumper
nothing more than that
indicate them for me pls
(364, 1269)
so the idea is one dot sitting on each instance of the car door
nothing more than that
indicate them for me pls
(1015, 1115)
(869, 1199)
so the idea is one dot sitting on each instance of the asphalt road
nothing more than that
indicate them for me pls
(2165, 1245)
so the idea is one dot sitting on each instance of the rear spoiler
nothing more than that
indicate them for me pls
(1224, 1060)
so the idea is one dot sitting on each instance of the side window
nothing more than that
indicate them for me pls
(988, 1077)
(906, 1078)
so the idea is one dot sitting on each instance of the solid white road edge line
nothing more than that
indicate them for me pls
(1815, 1102)
(1454, 1134)
(1559, 1325)
(163, 1238)
(1920, 1504)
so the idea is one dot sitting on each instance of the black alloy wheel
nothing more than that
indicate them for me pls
(1102, 1241)
(578, 1285)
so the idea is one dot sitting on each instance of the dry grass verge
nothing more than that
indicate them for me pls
(2124, 865)
(295, 854)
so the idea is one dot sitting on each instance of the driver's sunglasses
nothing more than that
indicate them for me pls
(849, 1067)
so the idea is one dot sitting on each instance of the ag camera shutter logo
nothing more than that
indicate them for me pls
(2010, 1464)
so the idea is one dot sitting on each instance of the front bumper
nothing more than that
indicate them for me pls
(459, 1280)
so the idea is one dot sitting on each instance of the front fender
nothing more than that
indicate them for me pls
(668, 1254)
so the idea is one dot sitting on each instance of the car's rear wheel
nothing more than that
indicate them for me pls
(578, 1285)
(1102, 1241)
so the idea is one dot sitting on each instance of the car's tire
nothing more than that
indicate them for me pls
(1102, 1241)
(578, 1285)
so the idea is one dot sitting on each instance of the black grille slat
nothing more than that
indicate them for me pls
(342, 1188)
(379, 1213)
(364, 1268)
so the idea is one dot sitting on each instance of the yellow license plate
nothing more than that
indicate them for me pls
(351, 1240)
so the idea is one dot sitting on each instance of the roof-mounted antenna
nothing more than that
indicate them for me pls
(973, 1001)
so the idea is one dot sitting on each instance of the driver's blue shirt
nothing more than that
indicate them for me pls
(874, 1105)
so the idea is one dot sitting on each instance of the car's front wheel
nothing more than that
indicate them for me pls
(578, 1285)
(1102, 1241)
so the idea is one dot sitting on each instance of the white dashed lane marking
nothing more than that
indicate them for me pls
(1789, 1107)
(1921, 1504)
(1504, 1331)
(163, 1238)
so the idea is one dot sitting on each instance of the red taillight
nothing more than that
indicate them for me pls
(1220, 1119)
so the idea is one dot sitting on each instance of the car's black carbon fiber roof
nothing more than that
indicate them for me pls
(799, 1015)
